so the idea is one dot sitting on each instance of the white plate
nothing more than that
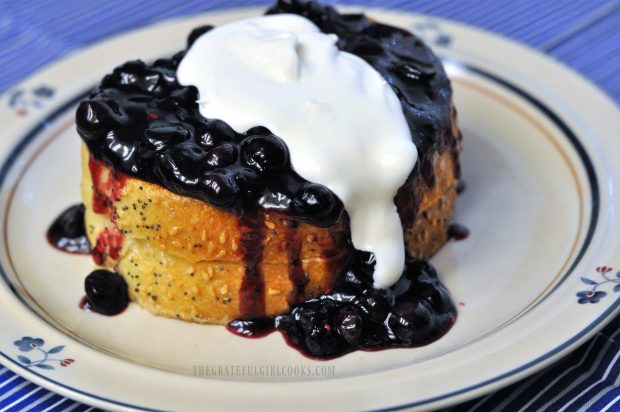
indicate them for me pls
(540, 202)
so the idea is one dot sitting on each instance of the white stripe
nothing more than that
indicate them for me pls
(52, 406)
(553, 382)
(483, 400)
(90, 409)
(41, 400)
(610, 404)
(611, 365)
(72, 407)
(603, 392)
(15, 389)
(20, 399)
(581, 378)
(9, 380)
(517, 392)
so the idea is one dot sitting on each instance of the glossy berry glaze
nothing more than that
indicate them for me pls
(415, 311)
(67, 232)
(457, 231)
(142, 123)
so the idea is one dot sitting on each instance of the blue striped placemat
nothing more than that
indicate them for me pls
(584, 35)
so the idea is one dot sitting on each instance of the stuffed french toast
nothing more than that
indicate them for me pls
(290, 171)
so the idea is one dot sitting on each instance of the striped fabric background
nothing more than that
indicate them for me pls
(583, 34)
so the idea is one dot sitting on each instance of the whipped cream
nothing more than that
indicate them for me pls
(342, 123)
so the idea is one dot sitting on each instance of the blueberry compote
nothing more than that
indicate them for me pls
(143, 123)
(415, 311)
(67, 232)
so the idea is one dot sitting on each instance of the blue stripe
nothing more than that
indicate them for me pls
(82, 408)
(589, 388)
(29, 400)
(10, 385)
(19, 393)
(87, 21)
(613, 392)
(64, 405)
(583, 358)
(5, 374)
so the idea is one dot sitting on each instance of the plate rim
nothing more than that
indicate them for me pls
(584, 334)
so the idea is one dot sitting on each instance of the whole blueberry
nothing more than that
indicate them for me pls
(256, 131)
(161, 134)
(95, 118)
(350, 325)
(214, 133)
(322, 341)
(438, 297)
(412, 321)
(220, 188)
(180, 166)
(106, 292)
(376, 306)
(319, 202)
(249, 183)
(222, 155)
(264, 153)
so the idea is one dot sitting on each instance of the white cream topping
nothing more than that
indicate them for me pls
(342, 123)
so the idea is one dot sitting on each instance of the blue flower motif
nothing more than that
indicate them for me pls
(590, 296)
(43, 91)
(26, 344)
(432, 33)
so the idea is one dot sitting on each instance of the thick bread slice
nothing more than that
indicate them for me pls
(184, 258)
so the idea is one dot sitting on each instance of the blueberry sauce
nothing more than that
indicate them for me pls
(461, 186)
(106, 293)
(109, 243)
(251, 292)
(67, 232)
(295, 271)
(416, 311)
(143, 123)
(457, 231)
(105, 191)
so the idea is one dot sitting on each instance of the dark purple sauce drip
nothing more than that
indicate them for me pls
(256, 328)
(457, 232)
(460, 187)
(87, 306)
(67, 232)
(143, 123)
(295, 271)
(251, 292)
(416, 311)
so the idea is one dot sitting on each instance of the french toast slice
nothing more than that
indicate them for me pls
(183, 258)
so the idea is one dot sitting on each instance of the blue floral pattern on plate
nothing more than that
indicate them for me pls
(43, 359)
(22, 100)
(593, 295)
(432, 33)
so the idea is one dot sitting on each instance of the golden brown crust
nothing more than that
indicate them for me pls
(183, 258)
(428, 233)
